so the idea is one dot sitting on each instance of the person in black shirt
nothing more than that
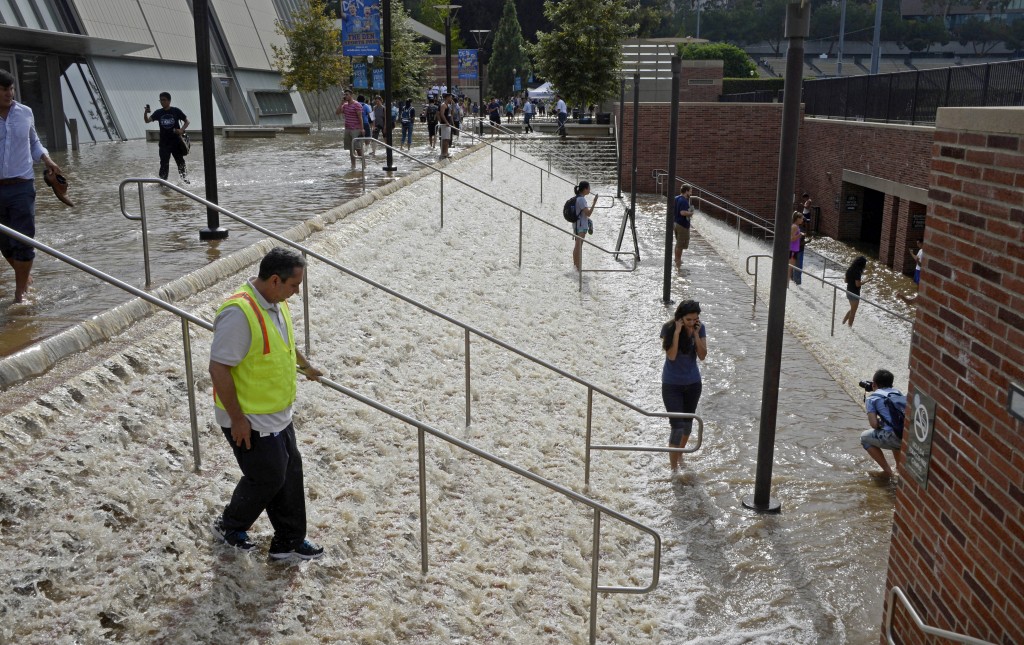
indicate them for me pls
(173, 124)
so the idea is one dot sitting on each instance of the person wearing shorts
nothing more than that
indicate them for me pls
(22, 148)
(352, 111)
(681, 225)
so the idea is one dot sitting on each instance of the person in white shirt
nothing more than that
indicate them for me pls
(562, 113)
(528, 110)
(20, 148)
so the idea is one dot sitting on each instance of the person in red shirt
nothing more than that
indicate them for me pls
(352, 110)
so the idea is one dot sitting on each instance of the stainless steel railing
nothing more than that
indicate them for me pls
(185, 316)
(572, 164)
(422, 429)
(835, 291)
(468, 330)
(521, 212)
(895, 593)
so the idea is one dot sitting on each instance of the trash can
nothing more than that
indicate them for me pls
(604, 118)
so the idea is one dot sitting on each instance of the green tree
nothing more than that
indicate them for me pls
(410, 57)
(311, 59)
(582, 54)
(983, 35)
(509, 52)
(737, 62)
(920, 35)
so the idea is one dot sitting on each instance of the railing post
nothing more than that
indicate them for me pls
(913, 102)
(984, 89)
(542, 186)
(835, 291)
(595, 560)
(520, 239)
(492, 162)
(305, 301)
(590, 409)
(422, 449)
(442, 200)
(756, 269)
(469, 418)
(190, 386)
(145, 234)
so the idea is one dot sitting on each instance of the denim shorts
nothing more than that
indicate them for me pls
(885, 439)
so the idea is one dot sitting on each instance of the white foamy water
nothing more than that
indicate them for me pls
(107, 520)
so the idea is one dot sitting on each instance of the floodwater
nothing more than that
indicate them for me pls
(274, 182)
(107, 518)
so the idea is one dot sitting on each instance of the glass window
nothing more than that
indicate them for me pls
(28, 14)
(7, 14)
(271, 102)
(82, 99)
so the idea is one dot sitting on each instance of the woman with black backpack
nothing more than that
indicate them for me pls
(583, 224)
(408, 115)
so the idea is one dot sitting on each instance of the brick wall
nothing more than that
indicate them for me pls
(731, 149)
(827, 147)
(958, 544)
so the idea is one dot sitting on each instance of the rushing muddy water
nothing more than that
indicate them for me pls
(107, 519)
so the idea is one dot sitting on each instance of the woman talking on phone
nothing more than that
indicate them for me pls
(684, 340)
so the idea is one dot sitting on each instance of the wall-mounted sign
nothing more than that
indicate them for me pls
(919, 444)
(917, 220)
(851, 202)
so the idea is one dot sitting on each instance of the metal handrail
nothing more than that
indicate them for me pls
(522, 212)
(185, 316)
(468, 329)
(422, 428)
(835, 291)
(598, 508)
(895, 593)
(572, 164)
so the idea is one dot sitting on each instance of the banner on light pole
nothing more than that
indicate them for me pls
(360, 27)
(469, 68)
(359, 76)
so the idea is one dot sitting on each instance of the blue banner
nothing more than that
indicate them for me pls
(360, 27)
(518, 85)
(378, 79)
(468, 68)
(359, 75)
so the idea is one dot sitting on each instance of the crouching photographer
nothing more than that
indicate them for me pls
(886, 409)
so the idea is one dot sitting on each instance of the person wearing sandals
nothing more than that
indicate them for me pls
(583, 224)
(854, 281)
(684, 339)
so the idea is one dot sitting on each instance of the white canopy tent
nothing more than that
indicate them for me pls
(542, 92)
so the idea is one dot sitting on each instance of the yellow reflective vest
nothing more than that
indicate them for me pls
(265, 379)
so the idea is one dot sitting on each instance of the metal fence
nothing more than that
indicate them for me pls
(904, 97)
(915, 97)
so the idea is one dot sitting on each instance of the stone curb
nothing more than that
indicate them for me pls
(44, 355)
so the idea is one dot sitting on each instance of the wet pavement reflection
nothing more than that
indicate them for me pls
(275, 182)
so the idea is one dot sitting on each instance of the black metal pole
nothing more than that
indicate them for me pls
(201, 16)
(618, 134)
(636, 138)
(483, 88)
(388, 120)
(448, 50)
(673, 138)
(797, 26)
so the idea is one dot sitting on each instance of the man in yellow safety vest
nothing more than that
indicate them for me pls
(253, 364)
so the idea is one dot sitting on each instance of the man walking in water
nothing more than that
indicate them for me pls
(681, 223)
(19, 149)
(253, 361)
(352, 111)
(173, 124)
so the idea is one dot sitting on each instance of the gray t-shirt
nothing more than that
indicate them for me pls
(378, 116)
(231, 338)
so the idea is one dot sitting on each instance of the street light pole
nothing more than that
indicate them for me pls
(480, 36)
(798, 20)
(450, 11)
(389, 124)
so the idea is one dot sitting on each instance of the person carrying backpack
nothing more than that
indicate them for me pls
(408, 117)
(577, 212)
(432, 110)
(886, 410)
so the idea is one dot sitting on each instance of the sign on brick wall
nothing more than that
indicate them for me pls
(919, 446)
